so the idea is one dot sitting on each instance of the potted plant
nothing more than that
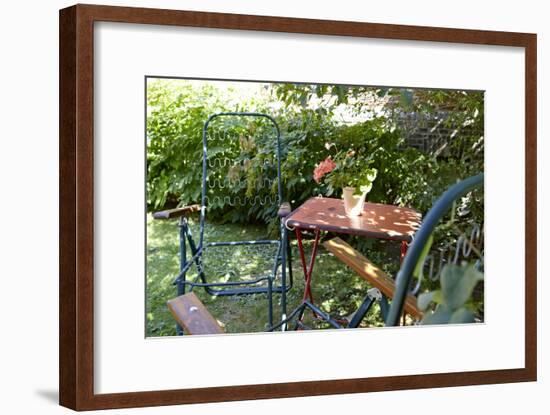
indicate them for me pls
(349, 173)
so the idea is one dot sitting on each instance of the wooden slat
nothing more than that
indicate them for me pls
(177, 212)
(192, 315)
(370, 272)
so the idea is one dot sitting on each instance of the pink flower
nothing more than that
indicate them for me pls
(324, 167)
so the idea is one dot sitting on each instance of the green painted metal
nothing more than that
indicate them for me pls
(282, 259)
(440, 208)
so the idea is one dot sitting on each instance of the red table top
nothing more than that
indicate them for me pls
(377, 221)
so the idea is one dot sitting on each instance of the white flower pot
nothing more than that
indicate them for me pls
(353, 204)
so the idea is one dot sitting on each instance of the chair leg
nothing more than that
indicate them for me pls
(183, 262)
(384, 307)
(181, 291)
(289, 259)
(361, 312)
(284, 255)
(270, 301)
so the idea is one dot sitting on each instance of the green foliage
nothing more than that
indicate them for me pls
(464, 115)
(454, 304)
(311, 132)
(403, 174)
(346, 170)
(176, 113)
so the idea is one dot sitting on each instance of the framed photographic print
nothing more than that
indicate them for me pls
(255, 207)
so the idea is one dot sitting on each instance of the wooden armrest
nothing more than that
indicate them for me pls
(177, 212)
(284, 210)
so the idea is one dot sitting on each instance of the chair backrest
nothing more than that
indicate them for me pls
(241, 165)
(415, 252)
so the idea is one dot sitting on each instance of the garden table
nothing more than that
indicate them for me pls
(327, 214)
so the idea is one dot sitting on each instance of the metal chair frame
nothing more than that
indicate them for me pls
(187, 242)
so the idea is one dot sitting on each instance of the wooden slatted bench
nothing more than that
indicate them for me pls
(370, 272)
(192, 315)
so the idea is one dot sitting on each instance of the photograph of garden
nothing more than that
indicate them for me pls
(276, 206)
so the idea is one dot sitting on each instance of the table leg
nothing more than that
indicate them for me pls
(404, 247)
(308, 271)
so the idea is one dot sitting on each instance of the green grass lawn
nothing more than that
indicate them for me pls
(336, 289)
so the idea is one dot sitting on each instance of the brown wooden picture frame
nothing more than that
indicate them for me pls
(76, 179)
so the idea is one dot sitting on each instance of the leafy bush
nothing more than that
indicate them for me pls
(406, 176)
(176, 113)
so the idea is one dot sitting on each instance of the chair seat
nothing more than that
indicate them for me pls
(239, 261)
